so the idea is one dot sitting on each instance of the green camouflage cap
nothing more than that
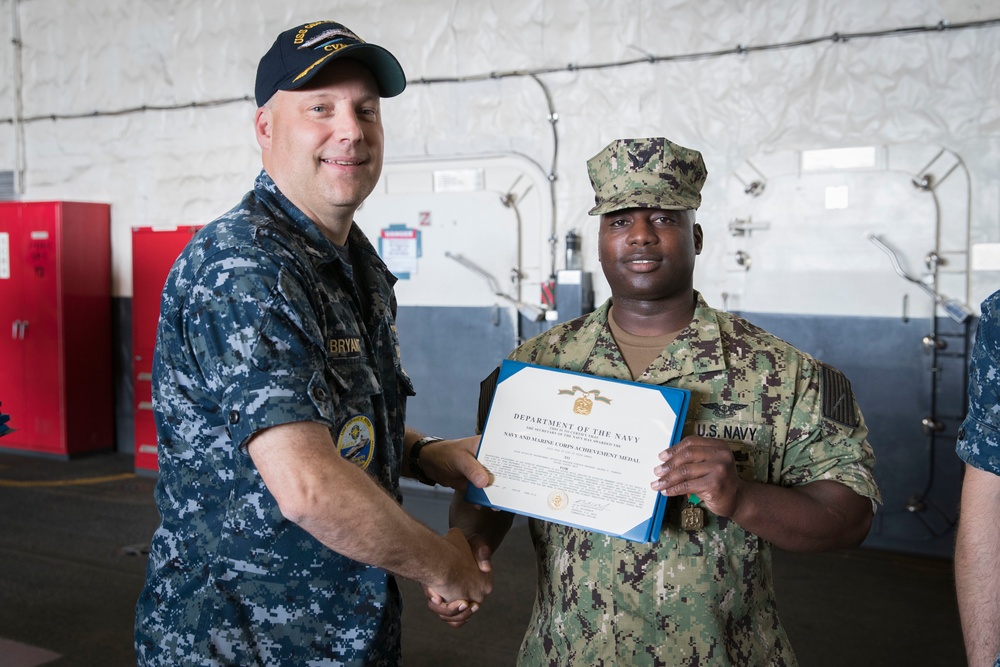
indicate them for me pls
(646, 173)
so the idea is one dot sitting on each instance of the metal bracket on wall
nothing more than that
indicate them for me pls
(744, 259)
(926, 178)
(955, 309)
(740, 227)
(754, 182)
(527, 310)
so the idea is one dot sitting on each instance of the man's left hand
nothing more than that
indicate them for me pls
(453, 463)
(704, 467)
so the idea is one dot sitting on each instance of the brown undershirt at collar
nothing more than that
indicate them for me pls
(639, 351)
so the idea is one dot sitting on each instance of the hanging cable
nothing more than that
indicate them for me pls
(552, 176)
(738, 50)
(19, 150)
(131, 110)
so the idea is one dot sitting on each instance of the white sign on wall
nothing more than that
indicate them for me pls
(4, 256)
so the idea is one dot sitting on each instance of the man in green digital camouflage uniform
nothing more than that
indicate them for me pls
(774, 450)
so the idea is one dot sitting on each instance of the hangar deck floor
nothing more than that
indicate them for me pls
(72, 560)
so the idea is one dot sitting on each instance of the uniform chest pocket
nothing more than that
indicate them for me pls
(354, 384)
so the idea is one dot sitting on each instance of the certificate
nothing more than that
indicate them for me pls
(578, 449)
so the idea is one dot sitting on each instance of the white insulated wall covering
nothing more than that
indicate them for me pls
(937, 89)
(458, 232)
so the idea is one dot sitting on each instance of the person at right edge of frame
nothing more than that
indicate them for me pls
(977, 545)
(774, 451)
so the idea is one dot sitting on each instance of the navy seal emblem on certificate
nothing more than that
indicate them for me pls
(578, 449)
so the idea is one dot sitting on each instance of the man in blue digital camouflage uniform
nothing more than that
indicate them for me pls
(774, 450)
(280, 400)
(977, 546)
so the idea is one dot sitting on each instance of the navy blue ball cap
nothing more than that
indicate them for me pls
(300, 53)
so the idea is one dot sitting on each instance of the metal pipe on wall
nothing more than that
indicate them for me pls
(18, 120)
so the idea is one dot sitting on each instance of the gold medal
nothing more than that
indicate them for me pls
(692, 518)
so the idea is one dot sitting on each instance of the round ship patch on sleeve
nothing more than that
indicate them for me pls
(356, 441)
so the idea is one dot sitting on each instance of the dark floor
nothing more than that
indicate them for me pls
(72, 536)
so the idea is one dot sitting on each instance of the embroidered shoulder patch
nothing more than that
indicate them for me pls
(356, 441)
(837, 397)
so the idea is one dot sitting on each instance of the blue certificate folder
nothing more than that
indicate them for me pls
(656, 412)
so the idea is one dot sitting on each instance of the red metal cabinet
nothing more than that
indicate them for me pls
(153, 253)
(55, 326)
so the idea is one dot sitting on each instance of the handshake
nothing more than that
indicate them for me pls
(469, 583)
(458, 587)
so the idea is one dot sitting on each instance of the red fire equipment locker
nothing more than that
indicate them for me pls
(55, 327)
(153, 253)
